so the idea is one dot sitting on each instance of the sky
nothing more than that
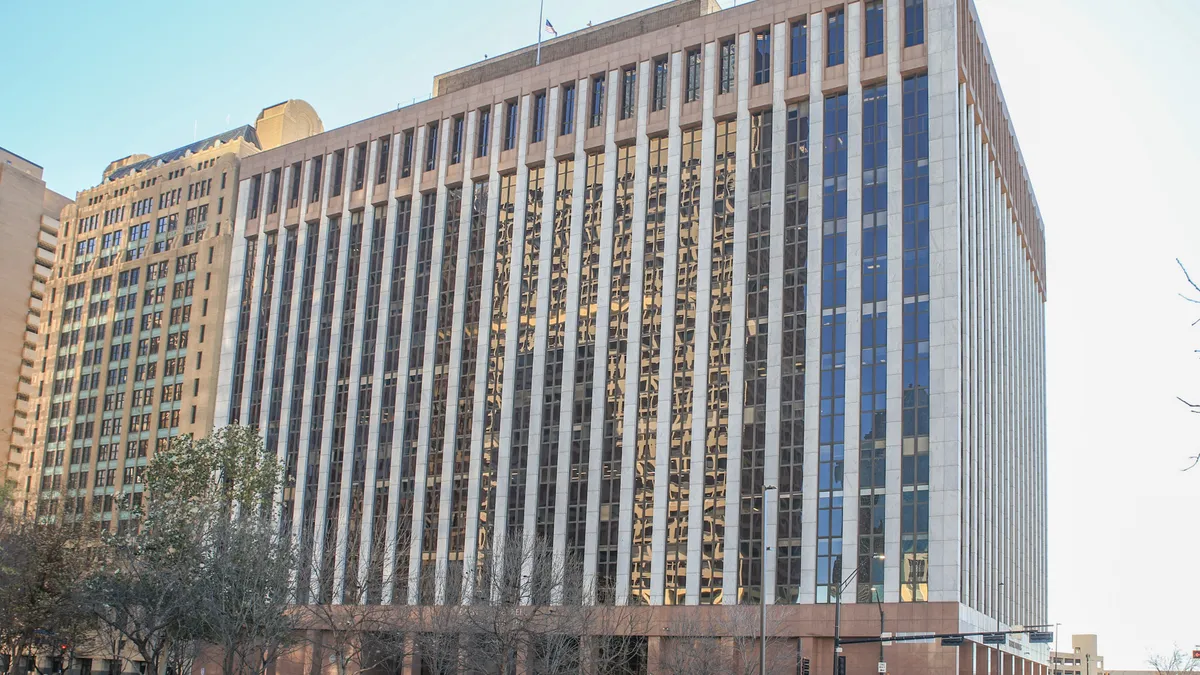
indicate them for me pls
(1101, 94)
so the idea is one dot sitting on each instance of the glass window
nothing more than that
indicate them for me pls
(339, 166)
(381, 169)
(566, 123)
(597, 110)
(510, 125)
(836, 54)
(659, 100)
(628, 92)
(914, 22)
(798, 59)
(456, 144)
(406, 159)
(692, 89)
(431, 149)
(874, 44)
(360, 172)
(483, 136)
(727, 66)
(539, 117)
(762, 57)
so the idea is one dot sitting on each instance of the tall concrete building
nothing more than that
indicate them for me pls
(29, 225)
(133, 316)
(724, 306)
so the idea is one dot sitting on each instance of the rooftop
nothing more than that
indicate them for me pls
(244, 132)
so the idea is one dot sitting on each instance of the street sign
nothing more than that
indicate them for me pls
(1041, 637)
(883, 667)
(953, 641)
(995, 639)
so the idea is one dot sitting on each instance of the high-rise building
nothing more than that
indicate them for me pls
(723, 306)
(29, 225)
(133, 316)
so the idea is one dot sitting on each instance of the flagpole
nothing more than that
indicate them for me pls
(541, 18)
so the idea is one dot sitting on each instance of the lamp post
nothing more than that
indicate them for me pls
(837, 613)
(762, 594)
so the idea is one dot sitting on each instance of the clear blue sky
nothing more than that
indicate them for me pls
(1102, 94)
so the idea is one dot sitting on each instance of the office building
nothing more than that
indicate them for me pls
(29, 222)
(133, 316)
(702, 293)
(1083, 658)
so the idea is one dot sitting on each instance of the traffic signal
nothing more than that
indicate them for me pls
(1196, 654)
(804, 667)
(841, 665)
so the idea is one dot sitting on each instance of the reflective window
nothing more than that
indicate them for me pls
(379, 534)
(614, 386)
(585, 354)
(788, 559)
(691, 89)
(914, 460)
(727, 66)
(836, 38)
(437, 406)
(914, 22)
(465, 410)
(872, 462)
(832, 424)
(716, 441)
(762, 57)
(875, 18)
(679, 469)
(798, 56)
(754, 398)
(646, 448)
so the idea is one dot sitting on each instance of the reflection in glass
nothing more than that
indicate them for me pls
(788, 560)
(754, 404)
(614, 402)
(645, 450)
(441, 385)
(679, 471)
(716, 442)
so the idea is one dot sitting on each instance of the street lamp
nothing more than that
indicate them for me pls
(837, 612)
(762, 594)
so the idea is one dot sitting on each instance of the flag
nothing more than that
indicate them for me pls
(550, 28)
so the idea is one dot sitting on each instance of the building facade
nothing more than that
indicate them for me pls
(720, 306)
(133, 318)
(1083, 658)
(29, 221)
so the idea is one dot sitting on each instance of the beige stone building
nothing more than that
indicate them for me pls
(29, 229)
(133, 315)
(1083, 658)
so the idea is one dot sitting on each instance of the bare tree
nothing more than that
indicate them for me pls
(726, 641)
(359, 630)
(1176, 662)
(1192, 407)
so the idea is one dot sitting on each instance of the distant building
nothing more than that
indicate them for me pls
(29, 231)
(135, 313)
(1082, 659)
